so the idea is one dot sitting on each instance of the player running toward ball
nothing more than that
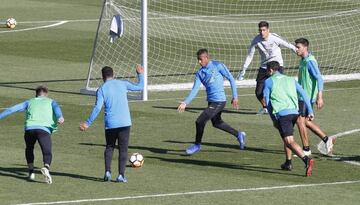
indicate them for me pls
(113, 96)
(211, 74)
(41, 119)
(280, 94)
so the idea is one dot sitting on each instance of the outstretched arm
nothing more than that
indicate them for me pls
(16, 108)
(140, 84)
(192, 94)
(96, 110)
(281, 42)
(226, 73)
(249, 58)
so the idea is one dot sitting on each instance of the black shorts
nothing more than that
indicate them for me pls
(260, 81)
(262, 75)
(303, 111)
(285, 124)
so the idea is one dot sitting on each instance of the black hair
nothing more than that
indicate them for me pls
(263, 24)
(303, 41)
(107, 72)
(41, 89)
(274, 65)
(201, 51)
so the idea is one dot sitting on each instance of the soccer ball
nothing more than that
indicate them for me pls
(11, 23)
(136, 160)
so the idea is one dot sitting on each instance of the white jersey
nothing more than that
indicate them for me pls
(269, 50)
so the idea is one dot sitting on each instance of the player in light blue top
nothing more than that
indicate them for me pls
(113, 96)
(211, 74)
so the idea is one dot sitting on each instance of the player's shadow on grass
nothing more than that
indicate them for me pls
(244, 111)
(348, 158)
(150, 149)
(30, 88)
(22, 173)
(245, 167)
(232, 146)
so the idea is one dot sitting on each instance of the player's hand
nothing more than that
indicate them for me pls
(61, 120)
(181, 107)
(241, 75)
(139, 69)
(310, 117)
(83, 126)
(235, 103)
(319, 101)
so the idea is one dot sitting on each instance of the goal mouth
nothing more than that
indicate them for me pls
(176, 30)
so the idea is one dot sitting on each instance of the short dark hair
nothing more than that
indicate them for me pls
(202, 51)
(303, 41)
(274, 65)
(41, 89)
(107, 72)
(263, 24)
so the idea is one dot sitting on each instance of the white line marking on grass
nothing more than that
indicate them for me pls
(36, 28)
(345, 133)
(55, 21)
(193, 193)
(341, 134)
(243, 95)
(352, 162)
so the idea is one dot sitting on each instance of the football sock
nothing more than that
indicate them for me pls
(305, 159)
(325, 139)
(306, 148)
(288, 161)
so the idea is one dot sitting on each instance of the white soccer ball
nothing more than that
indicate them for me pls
(11, 23)
(136, 160)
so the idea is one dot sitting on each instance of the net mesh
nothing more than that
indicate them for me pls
(178, 28)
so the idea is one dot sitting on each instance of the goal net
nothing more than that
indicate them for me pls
(178, 28)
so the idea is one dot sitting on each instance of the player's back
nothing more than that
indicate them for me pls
(116, 108)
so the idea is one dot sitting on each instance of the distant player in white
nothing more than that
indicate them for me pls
(268, 45)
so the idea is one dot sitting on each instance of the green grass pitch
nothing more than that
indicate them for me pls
(58, 57)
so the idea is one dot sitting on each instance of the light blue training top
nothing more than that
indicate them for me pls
(212, 77)
(113, 95)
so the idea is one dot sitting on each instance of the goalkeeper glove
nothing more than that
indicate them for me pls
(241, 75)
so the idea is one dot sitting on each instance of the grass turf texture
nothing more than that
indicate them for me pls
(60, 57)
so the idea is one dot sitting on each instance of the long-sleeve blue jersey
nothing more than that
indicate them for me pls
(24, 105)
(267, 91)
(113, 95)
(212, 77)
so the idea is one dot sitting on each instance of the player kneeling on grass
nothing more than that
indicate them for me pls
(113, 95)
(211, 74)
(41, 119)
(280, 94)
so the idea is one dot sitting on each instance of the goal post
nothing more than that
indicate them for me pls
(176, 29)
